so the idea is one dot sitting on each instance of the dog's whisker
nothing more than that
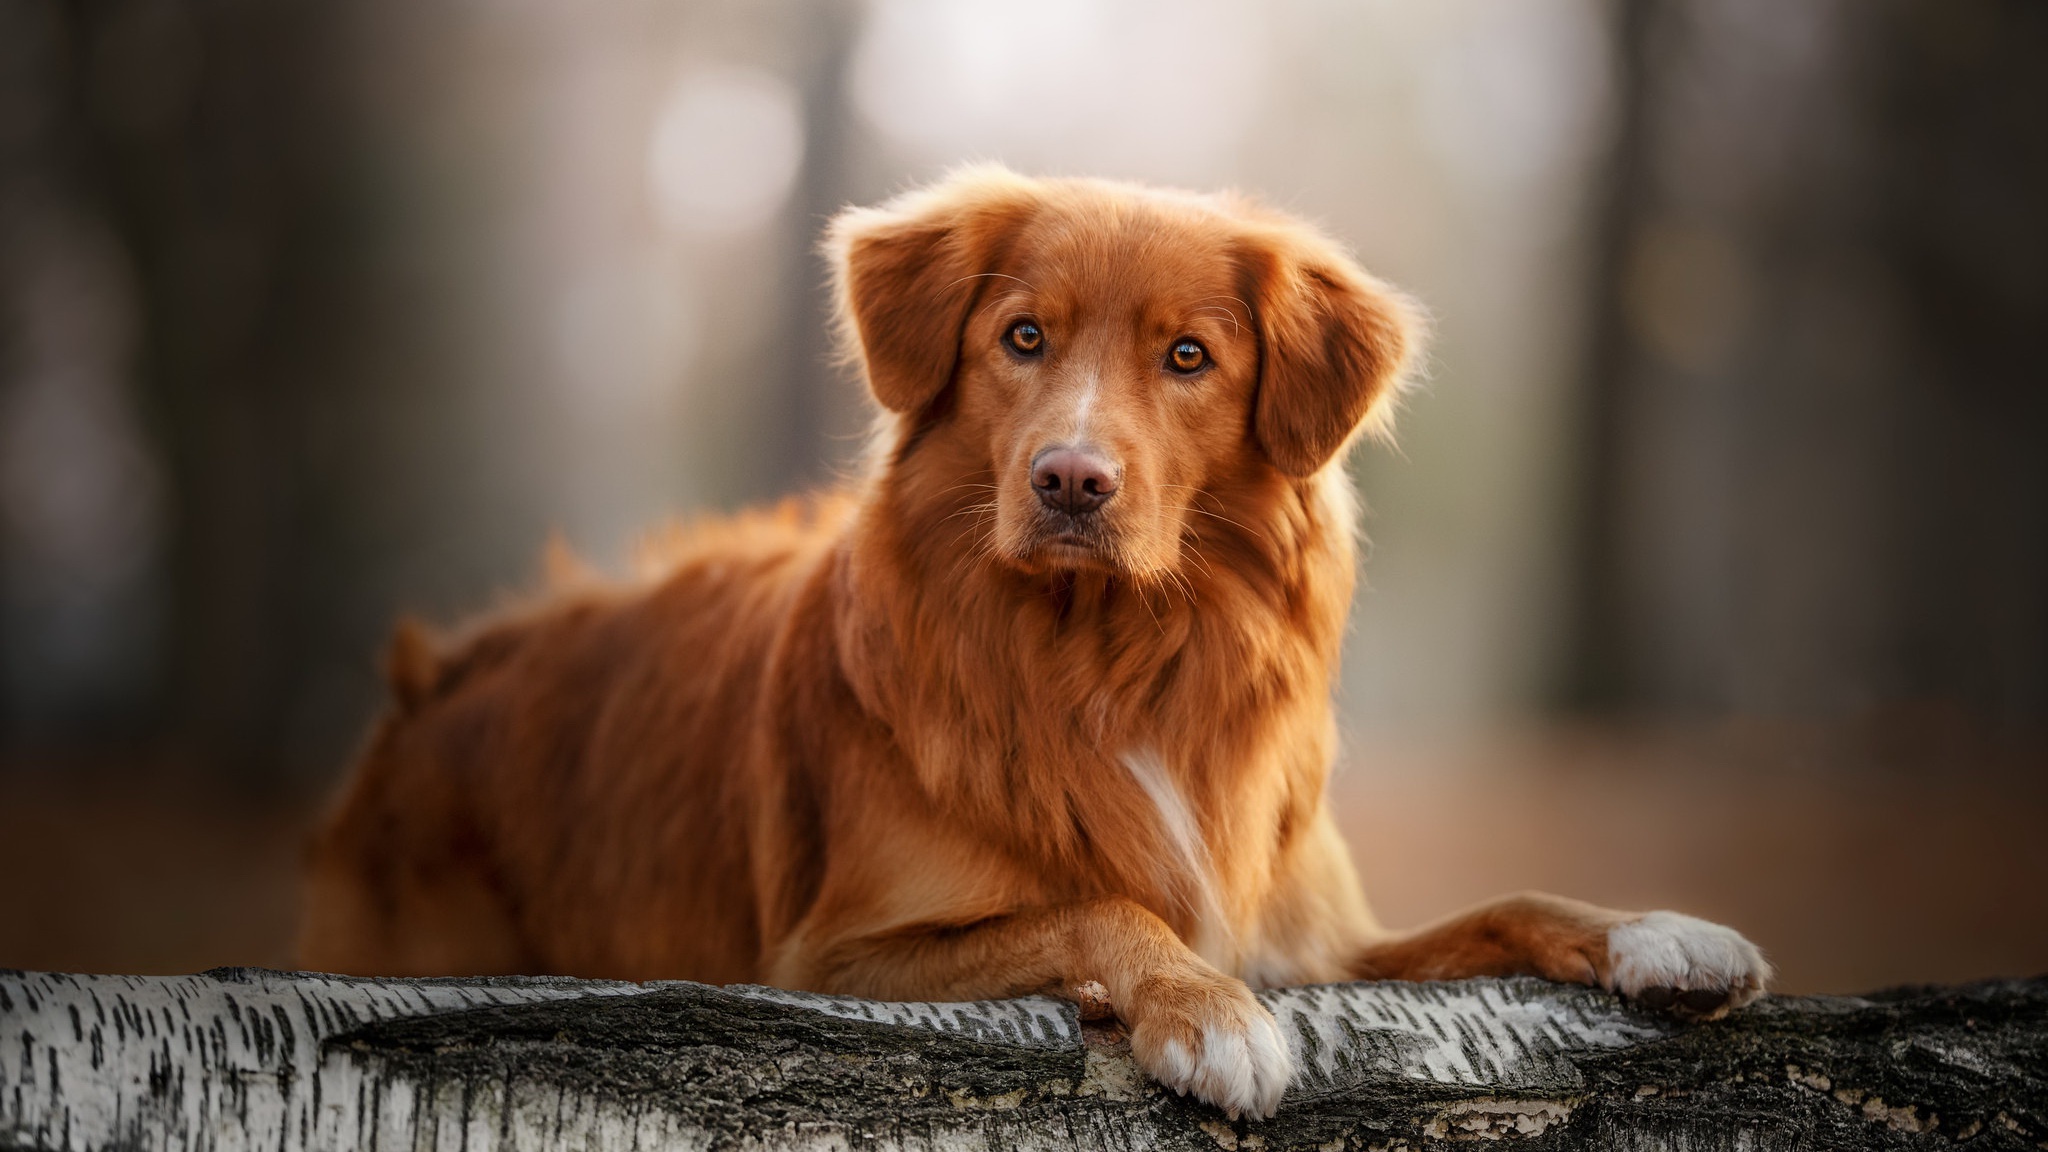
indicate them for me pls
(1197, 508)
(1227, 520)
(1227, 314)
(1237, 300)
(1191, 547)
(1182, 584)
(971, 510)
(1008, 298)
(985, 276)
(983, 548)
(1138, 590)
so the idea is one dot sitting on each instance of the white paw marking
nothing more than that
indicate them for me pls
(1176, 1066)
(1239, 1069)
(1667, 950)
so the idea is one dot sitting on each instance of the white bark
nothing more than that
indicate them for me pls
(259, 1060)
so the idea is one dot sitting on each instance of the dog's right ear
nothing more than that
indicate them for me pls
(906, 273)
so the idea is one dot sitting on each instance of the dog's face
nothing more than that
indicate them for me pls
(1084, 362)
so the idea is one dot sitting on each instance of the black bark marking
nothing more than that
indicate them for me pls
(613, 1065)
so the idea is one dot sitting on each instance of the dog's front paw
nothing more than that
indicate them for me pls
(1688, 966)
(1208, 1036)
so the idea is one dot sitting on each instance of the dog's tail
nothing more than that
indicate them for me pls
(424, 663)
(412, 665)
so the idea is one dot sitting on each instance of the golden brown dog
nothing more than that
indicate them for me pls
(1043, 699)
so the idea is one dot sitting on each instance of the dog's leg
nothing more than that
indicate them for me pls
(1662, 959)
(1193, 1028)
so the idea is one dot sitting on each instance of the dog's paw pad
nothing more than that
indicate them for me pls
(1659, 998)
(1681, 964)
(1703, 1001)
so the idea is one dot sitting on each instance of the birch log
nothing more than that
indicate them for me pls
(242, 1059)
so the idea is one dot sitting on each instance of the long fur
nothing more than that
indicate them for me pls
(921, 739)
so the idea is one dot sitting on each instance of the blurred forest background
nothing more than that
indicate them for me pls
(1711, 572)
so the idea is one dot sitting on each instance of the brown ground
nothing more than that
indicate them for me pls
(1894, 853)
(1857, 860)
(144, 876)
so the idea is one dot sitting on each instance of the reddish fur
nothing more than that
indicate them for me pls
(873, 744)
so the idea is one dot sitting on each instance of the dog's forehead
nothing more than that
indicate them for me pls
(1125, 254)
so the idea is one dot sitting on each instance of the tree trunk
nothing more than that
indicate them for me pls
(238, 1058)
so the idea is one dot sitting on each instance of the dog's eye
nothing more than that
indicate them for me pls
(1187, 357)
(1025, 337)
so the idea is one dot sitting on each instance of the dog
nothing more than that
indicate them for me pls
(1039, 702)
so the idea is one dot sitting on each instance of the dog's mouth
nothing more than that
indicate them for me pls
(1069, 546)
(1070, 542)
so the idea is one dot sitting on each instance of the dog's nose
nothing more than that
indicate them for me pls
(1072, 480)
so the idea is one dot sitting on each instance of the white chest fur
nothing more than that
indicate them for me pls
(1189, 873)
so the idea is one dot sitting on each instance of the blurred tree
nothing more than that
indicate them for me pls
(329, 230)
(202, 137)
(1816, 482)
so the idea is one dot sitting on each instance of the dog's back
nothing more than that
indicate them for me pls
(592, 742)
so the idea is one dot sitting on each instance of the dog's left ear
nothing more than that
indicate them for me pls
(1334, 344)
(905, 275)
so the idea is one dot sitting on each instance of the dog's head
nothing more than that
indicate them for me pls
(1083, 362)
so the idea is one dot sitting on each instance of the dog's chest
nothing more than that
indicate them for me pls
(1184, 867)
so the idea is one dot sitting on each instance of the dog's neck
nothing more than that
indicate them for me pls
(1159, 696)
